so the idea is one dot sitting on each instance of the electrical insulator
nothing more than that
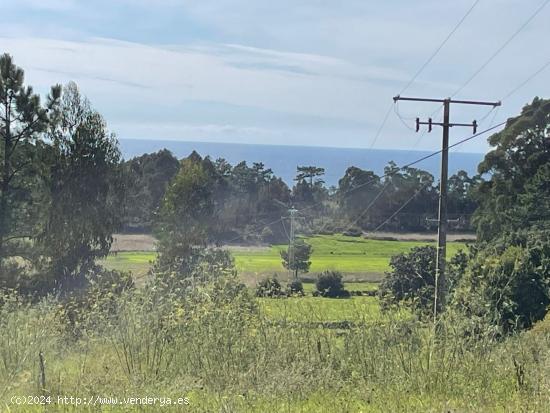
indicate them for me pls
(474, 124)
(417, 124)
(430, 125)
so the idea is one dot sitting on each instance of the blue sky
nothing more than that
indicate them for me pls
(307, 72)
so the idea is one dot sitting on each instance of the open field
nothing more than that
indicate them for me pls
(334, 252)
(146, 242)
(358, 258)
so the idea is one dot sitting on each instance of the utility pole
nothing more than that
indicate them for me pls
(292, 211)
(440, 280)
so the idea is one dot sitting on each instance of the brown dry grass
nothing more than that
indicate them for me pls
(133, 242)
(146, 242)
(419, 236)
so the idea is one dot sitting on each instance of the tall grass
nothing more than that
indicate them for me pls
(214, 345)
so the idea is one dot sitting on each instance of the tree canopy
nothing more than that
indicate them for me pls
(517, 191)
(60, 184)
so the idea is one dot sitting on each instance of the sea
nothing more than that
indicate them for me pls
(283, 159)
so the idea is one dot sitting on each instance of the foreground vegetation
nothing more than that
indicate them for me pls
(220, 350)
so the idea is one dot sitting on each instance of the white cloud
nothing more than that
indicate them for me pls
(152, 74)
(305, 72)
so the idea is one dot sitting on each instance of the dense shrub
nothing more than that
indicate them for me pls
(508, 282)
(100, 295)
(295, 287)
(330, 284)
(353, 232)
(411, 280)
(270, 287)
(198, 265)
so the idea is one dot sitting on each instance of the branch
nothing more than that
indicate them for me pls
(15, 171)
(25, 129)
(17, 237)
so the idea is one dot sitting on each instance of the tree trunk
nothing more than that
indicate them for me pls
(4, 185)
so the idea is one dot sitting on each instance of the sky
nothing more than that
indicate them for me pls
(296, 72)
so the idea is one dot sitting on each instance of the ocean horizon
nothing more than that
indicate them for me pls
(283, 159)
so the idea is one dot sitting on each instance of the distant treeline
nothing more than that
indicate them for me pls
(250, 201)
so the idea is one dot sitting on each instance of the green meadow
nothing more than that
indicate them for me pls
(334, 252)
(358, 258)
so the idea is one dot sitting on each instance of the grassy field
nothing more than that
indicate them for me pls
(317, 309)
(338, 252)
(138, 262)
(358, 258)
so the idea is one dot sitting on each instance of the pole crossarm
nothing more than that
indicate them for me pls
(450, 125)
(449, 100)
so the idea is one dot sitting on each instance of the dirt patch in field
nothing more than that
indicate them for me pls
(146, 242)
(133, 242)
(418, 236)
(251, 279)
(248, 248)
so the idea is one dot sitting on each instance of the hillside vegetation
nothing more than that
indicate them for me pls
(202, 319)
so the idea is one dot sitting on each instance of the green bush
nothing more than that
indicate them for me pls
(508, 282)
(353, 232)
(330, 284)
(197, 266)
(83, 311)
(270, 287)
(295, 287)
(411, 280)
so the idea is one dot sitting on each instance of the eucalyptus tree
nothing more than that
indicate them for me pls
(85, 188)
(517, 194)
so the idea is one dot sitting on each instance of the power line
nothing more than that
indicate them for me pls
(531, 77)
(421, 69)
(490, 128)
(515, 90)
(386, 175)
(264, 227)
(394, 172)
(427, 62)
(408, 165)
(402, 206)
(442, 227)
(501, 48)
(493, 110)
(284, 228)
(369, 206)
(379, 131)
(401, 118)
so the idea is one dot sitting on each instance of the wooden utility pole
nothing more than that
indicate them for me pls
(292, 211)
(440, 280)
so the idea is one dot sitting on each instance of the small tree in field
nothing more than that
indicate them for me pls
(298, 259)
